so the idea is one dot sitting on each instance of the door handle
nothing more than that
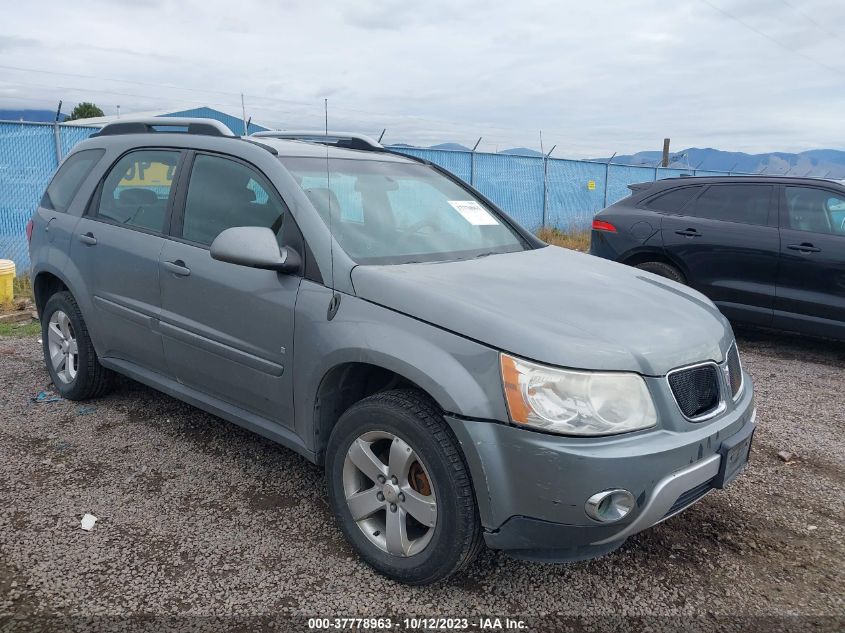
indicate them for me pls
(177, 268)
(88, 238)
(804, 247)
(688, 233)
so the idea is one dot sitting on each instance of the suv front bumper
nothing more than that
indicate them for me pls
(531, 487)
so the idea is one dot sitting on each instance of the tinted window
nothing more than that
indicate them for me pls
(224, 193)
(674, 200)
(816, 210)
(136, 190)
(748, 204)
(69, 178)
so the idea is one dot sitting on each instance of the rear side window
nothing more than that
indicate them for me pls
(746, 204)
(673, 201)
(69, 178)
(137, 189)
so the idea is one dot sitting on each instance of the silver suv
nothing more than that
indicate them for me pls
(461, 381)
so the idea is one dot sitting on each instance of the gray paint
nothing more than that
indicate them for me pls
(559, 307)
(253, 346)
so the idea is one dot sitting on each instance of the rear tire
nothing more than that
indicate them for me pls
(68, 352)
(664, 270)
(390, 426)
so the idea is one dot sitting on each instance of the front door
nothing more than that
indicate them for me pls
(116, 247)
(811, 280)
(728, 240)
(228, 329)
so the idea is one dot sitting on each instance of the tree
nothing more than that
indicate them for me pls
(85, 110)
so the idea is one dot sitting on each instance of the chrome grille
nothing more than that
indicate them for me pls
(733, 370)
(696, 389)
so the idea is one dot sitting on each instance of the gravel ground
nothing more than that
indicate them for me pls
(200, 518)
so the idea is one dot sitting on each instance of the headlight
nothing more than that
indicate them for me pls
(575, 402)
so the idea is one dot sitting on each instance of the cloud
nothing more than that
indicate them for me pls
(594, 77)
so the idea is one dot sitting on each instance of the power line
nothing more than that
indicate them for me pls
(750, 27)
(146, 84)
(237, 95)
(818, 25)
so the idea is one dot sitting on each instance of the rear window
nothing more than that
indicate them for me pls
(746, 204)
(674, 200)
(68, 179)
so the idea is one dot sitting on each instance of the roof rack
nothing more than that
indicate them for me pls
(207, 127)
(348, 140)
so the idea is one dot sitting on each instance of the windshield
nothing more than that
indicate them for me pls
(386, 212)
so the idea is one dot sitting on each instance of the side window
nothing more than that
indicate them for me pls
(68, 179)
(136, 190)
(746, 204)
(673, 201)
(223, 193)
(816, 210)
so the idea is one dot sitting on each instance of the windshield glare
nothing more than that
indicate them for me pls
(386, 212)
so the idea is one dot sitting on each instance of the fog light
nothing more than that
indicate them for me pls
(610, 506)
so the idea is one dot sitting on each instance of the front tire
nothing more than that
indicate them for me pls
(68, 352)
(400, 489)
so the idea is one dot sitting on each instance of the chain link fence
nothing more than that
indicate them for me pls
(29, 155)
(536, 191)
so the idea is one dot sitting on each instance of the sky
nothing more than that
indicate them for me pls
(591, 77)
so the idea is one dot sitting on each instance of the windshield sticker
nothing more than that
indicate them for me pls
(474, 213)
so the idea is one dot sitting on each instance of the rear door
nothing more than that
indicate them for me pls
(228, 329)
(116, 247)
(53, 224)
(811, 280)
(727, 242)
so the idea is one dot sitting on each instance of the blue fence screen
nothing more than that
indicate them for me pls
(534, 191)
(555, 192)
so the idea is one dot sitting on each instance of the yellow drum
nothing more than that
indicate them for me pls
(7, 278)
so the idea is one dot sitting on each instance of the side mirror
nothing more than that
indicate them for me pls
(256, 247)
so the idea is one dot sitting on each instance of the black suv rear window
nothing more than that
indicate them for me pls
(674, 200)
(747, 204)
(68, 179)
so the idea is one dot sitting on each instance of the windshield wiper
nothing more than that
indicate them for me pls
(480, 255)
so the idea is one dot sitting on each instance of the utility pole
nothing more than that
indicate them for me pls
(665, 161)
(243, 114)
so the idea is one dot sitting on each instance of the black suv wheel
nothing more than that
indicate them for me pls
(664, 270)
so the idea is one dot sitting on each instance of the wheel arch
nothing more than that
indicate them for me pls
(45, 284)
(653, 255)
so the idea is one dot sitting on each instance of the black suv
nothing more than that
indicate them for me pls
(768, 251)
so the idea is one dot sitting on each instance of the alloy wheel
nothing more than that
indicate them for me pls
(63, 347)
(389, 493)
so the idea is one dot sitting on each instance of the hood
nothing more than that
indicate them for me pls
(558, 307)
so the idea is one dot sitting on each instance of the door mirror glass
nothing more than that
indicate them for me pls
(256, 247)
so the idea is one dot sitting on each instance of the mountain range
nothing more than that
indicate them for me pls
(824, 163)
(40, 116)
